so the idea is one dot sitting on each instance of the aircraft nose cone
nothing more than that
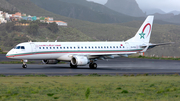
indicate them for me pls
(7, 55)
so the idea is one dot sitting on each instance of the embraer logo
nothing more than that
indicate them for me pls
(142, 34)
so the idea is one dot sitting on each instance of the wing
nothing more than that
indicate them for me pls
(103, 56)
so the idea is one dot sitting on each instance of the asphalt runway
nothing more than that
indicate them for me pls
(119, 66)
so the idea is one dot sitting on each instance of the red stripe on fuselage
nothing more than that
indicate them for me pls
(70, 52)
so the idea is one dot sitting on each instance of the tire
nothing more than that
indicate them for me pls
(90, 65)
(93, 65)
(24, 66)
(73, 66)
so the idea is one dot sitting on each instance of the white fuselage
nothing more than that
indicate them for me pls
(65, 50)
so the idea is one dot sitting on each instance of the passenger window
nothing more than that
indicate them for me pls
(71, 47)
(104, 46)
(86, 47)
(107, 47)
(46, 47)
(98, 47)
(57, 47)
(39, 47)
(64, 48)
(67, 47)
(74, 47)
(53, 47)
(120, 47)
(92, 47)
(89, 47)
(81, 47)
(50, 47)
(116, 46)
(43, 47)
(110, 46)
(95, 47)
(101, 46)
(60, 47)
(113, 46)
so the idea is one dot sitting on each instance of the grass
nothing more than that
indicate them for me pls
(81, 87)
(3, 52)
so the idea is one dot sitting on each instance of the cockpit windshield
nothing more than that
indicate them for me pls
(19, 47)
(22, 47)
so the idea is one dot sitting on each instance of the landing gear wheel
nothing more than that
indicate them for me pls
(93, 65)
(90, 65)
(24, 63)
(73, 66)
(24, 66)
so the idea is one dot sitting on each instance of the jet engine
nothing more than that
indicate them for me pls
(50, 61)
(79, 60)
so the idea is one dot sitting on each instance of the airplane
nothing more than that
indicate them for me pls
(84, 53)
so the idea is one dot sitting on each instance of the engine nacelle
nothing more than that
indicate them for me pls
(50, 61)
(80, 60)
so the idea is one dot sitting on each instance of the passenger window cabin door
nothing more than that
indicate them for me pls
(33, 47)
(127, 45)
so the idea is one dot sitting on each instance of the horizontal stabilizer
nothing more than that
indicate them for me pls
(154, 45)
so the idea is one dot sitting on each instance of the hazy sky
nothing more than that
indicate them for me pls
(165, 5)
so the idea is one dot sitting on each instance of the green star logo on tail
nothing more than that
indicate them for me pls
(142, 35)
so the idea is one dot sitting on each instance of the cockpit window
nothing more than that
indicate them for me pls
(22, 47)
(19, 47)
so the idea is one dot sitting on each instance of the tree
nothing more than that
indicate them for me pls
(10, 26)
(33, 28)
(53, 27)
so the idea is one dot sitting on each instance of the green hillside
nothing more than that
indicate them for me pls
(175, 19)
(93, 31)
(12, 35)
(83, 10)
(96, 7)
(128, 7)
(5, 6)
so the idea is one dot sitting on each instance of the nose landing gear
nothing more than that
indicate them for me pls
(24, 63)
(24, 66)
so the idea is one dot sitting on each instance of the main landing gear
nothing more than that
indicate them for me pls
(73, 66)
(93, 65)
(24, 63)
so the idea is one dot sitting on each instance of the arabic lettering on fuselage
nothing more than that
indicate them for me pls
(48, 45)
